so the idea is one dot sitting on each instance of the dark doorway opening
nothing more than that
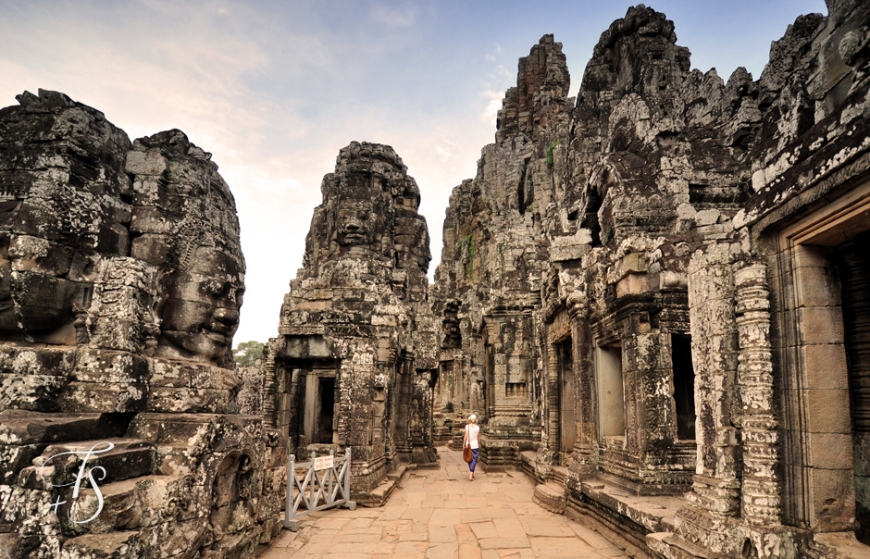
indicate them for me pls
(327, 410)
(684, 385)
(853, 263)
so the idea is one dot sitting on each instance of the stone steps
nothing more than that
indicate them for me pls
(380, 494)
(527, 462)
(551, 497)
(401, 473)
(28, 427)
(558, 475)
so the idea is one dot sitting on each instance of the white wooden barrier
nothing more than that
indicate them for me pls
(324, 483)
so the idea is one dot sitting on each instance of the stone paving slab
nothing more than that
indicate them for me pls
(439, 514)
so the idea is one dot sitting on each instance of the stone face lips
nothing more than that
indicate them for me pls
(357, 323)
(122, 276)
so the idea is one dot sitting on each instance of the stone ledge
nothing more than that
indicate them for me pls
(551, 497)
(654, 513)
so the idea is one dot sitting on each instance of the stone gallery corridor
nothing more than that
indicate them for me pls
(439, 514)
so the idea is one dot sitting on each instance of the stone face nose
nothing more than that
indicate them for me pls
(227, 317)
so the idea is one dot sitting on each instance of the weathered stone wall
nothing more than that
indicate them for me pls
(493, 258)
(666, 205)
(123, 277)
(356, 331)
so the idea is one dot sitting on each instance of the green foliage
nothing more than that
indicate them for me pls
(247, 353)
(469, 241)
(550, 154)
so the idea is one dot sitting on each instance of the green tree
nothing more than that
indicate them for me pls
(246, 353)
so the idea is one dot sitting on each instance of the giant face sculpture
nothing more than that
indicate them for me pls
(185, 220)
(356, 222)
(201, 312)
(61, 209)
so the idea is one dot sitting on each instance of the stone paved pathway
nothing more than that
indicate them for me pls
(440, 514)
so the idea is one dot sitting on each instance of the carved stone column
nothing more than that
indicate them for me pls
(552, 398)
(714, 502)
(585, 456)
(761, 504)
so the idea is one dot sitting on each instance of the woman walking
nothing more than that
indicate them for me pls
(471, 440)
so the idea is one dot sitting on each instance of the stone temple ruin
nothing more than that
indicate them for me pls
(654, 296)
(655, 293)
(355, 359)
(122, 278)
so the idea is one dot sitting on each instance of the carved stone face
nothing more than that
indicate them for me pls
(201, 313)
(356, 222)
(33, 300)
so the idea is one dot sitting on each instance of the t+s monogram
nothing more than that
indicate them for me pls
(81, 475)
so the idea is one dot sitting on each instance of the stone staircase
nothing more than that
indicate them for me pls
(380, 494)
(550, 495)
(127, 514)
(527, 462)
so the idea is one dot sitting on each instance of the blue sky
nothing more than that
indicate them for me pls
(275, 89)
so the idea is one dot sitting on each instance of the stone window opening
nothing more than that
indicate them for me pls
(515, 390)
(684, 385)
(611, 399)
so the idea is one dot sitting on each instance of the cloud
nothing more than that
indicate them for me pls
(395, 16)
(493, 105)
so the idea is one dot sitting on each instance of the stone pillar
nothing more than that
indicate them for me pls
(552, 397)
(716, 486)
(270, 386)
(583, 463)
(761, 503)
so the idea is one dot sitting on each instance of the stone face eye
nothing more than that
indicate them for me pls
(212, 288)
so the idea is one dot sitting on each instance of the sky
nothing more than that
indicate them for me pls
(274, 89)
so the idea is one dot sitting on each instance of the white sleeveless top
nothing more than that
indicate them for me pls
(473, 431)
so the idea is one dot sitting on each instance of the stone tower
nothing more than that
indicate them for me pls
(356, 337)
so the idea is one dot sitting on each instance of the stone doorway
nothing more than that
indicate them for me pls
(825, 296)
(307, 403)
(319, 407)
(853, 267)
(567, 421)
(684, 385)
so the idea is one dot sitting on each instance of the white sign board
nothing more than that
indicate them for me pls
(322, 463)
